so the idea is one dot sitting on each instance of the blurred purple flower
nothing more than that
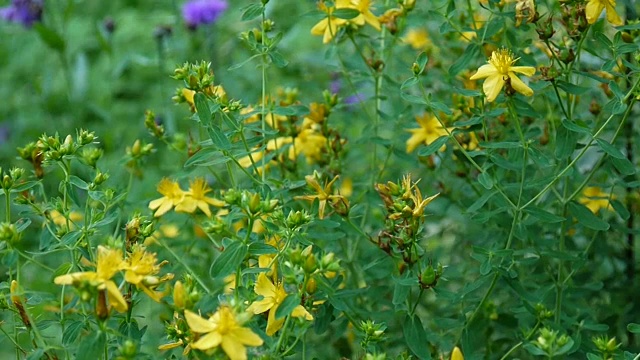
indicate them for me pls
(354, 99)
(202, 12)
(25, 12)
(5, 133)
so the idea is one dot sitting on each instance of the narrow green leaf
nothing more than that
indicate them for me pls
(434, 146)
(288, 304)
(633, 328)
(620, 209)
(485, 180)
(471, 52)
(252, 11)
(576, 126)
(229, 259)
(422, 61)
(277, 59)
(92, 346)
(218, 137)
(261, 249)
(586, 217)
(571, 88)
(70, 237)
(345, 13)
(24, 186)
(79, 183)
(416, 337)
(565, 142)
(544, 215)
(624, 166)
(480, 202)
(610, 149)
(50, 37)
(409, 83)
(413, 98)
(202, 106)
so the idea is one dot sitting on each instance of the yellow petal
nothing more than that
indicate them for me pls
(612, 15)
(197, 323)
(208, 341)
(260, 306)
(416, 139)
(247, 337)
(234, 348)
(264, 286)
(115, 298)
(300, 311)
(593, 10)
(273, 324)
(519, 86)
(526, 70)
(456, 354)
(492, 86)
(319, 28)
(484, 71)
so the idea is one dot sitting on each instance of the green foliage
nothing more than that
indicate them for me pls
(391, 181)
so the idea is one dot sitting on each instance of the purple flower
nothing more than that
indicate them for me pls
(25, 12)
(202, 12)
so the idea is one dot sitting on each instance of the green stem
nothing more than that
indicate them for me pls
(185, 265)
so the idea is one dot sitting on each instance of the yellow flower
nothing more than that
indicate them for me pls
(141, 268)
(173, 195)
(323, 195)
(222, 329)
(329, 26)
(429, 130)
(525, 9)
(499, 70)
(266, 261)
(363, 6)
(195, 198)
(456, 354)
(109, 263)
(213, 90)
(273, 295)
(595, 199)
(310, 143)
(418, 39)
(594, 9)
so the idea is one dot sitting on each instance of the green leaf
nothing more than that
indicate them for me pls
(633, 328)
(79, 183)
(261, 249)
(416, 337)
(288, 304)
(485, 180)
(571, 88)
(218, 137)
(576, 126)
(439, 107)
(278, 59)
(36, 355)
(92, 346)
(620, 209)
(434, 146)
(422, 61)
(471, 52)
(72, 331)
(252, 11)
(413, 98)
(624, 166)
(480, 202)
(586, 217)
(500, 145)
(409, 83)
(206, 157)
(229, 259)
(544, 215)
(346, 14)
(565, 142)
(50, 37)
(292, 110)
(610, 149)
(591, 356)
(71, 237)
(24, 186)
(202, 106)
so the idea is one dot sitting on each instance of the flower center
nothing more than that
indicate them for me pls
(502, 59)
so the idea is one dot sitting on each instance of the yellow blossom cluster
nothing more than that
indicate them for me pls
(184, 201)
(140, 269)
